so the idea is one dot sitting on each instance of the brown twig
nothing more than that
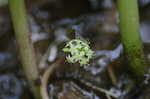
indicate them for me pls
(112, 75)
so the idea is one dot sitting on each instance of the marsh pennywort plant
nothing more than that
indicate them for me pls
(20, 24)
(130, 34)
(79, 51)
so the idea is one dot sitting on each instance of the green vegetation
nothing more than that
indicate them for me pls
(129, 28)
(19, 19)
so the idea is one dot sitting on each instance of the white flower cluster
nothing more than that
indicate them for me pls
(79, 51)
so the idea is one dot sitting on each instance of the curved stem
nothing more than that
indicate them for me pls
(47, 75)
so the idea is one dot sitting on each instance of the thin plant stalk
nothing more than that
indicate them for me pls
(130, 33)
(19, 19)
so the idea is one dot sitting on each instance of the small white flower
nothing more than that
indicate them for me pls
(79, 52)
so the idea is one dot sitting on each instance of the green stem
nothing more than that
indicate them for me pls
(129, 27)
(18, 15)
